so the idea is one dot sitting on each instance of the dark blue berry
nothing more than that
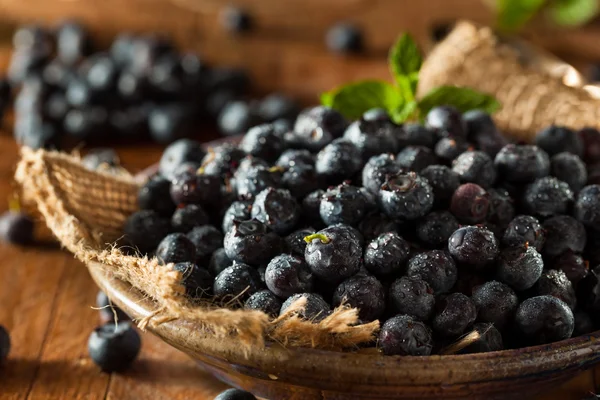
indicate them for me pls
(16, 228)
(416, 158)
(376, 171)
(236, 117)
(496, 303)
(569, 168)
(197, 281)
(316, 127)
(482, 131)
(295, 243)
(114, 347)
(101, 158)
(436, 228)
(587, 206)
(435, 267)
(583, 323)
(264, 301)
(300, 180)
(520, 267)
(412, 296)
(344, 38)
(374, 224)
(288, 274)
(277, 106)
(343, 204)
(501, 211)
(555, 283)
(563, 233)
(524, 229)
(448, 148)
(406, 196)
(145, 229)
(237, 281)
(454, 314)
(256, 179)
(237, 211)
(470, 203)
(387, 254)
(548, 196)
(556, 139)
(334, 253)
(175, 248)
(178, 153)
(222, 160)
(522, 163)
(155, 195)
(295, 157)
(489, 339)
(446, 122)
(372, 137)
(544, 319)
(236, 20)
(443, 181)
(206, 239)
(473, 245)
(195, 188)
(251, 242)
(311, 208)
(363, 292)
(403, 335)
(188, 217)
(476, 167)
(573, 265)
(218, 262)
(263, 141)
(590, 137)
(315, 307)
(277, 209)
(338, 161)
(413, 134)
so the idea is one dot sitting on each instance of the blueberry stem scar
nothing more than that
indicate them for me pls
(324, 239)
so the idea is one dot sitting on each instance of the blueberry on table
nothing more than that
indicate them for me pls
(197, 281)
(287, 275)
(563, 233)
(446, 121)
(218, 262)
(187, 217)
(490, 339)
(436, 228)
(344, 38)
(4, 343)
(114, 347)
(334, 253)
(475, 167)
(524, 229)
(406, 196)
(443, 181)
(237, 211)
(264, 301)
(236, 20)
(403, 335)
(300, 180)
(251, 242)
(387, 254)
(448, 149)
(435, 267)
(413, 134)
(338, 161)
(343, 204)
(416, 158)
(412, 296)
(372, 137)
(473, 245)
(573, 265)
(548, 196)
(145, 229)
(496, 303)
(178, 153)
(569, 168)
(238, 281)
(318, 126)
(109, 311)
(470, 203)
(192, 187)
(377, 169)
(315, 309)
(155, 195)
(520, 267)
(263, 141)
(365, 293)
(587, 206)
(175, 248)
(555, 283)
(16, 228)
(277, 209)
(556, 139)
(544, 319)
(454, 314)
(522, 163)
(206, 239)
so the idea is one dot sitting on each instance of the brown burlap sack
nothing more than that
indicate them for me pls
(532, 98)
(86, 211)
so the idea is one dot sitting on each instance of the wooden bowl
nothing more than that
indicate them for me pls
(298, 373)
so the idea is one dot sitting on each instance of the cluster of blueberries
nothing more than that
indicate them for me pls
(140, 86)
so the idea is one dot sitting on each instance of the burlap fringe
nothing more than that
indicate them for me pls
(86, 211)
(531, 97)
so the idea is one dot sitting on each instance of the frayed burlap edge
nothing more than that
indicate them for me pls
(532, 98)
(86, 210)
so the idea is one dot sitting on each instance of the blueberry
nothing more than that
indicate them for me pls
(100, 73)
(573, 265)
(344, 38)
(343, 204)
(101, 158)
(222, 160)
(114, 347)
(490, 339)
(237, 211)
(218, 262)
(386, 254)
(262, 141)
(412, 296)
(556, 139)
(454, 314)
(277, 106)
(295, 157)
(470, 203)
(446, 122)
(338, 161)
(372, 137)
(590, 137)
(316, 127)
(524, 229)
(588, 292)
(236, 20)
(178, 153)
(264, 301)
(300, 180)
(287, 274)
(413, 134)
(29, 36)
(583, 323)
(587, 206)
(416, 158)
(363, 292)
(295, 243)
(435, 267)
(255, 180)
(251, 242)
(563, 233)
(496, 303)
(207, 239)
(443, 181)
(476, 167)
(569, 168)
(247, 164)
(311, 206)
(121, 48)
(154, 195)
(520, 267)
(34, 132)
(376, 171)
(555, 283)
(375, 224)
(334, 253)
(315, 308)
(277, 209)
(108, 311)
(186, 218)
(406, 196)
(522, 163)
(548, 196)
(482, 131)
(473, 245)
(436, 228)
(175, 248)
(16, 228)
(197, 281)
(544, 319)
(27, 62)
(237, 281)
(170, 122)
(195, 188)
(405, 336)
(376, 114)
(145, 230)
(448, 149)
(56, 108)
(86, 123)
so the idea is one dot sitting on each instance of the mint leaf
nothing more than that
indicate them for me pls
(513, 14)
(405, 61)
(463, 99)
(405, 112)
(573, 12)
(354, 99)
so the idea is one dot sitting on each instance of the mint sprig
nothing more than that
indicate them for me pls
(512, 15)
(399, 99)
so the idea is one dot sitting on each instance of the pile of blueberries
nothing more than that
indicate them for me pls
(142, 85)
(437, 230)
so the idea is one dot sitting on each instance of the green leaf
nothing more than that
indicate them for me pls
(513, 14)
(405, 61)
(573, 12)
(354, 99)
(463, 99)
(404, 113)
